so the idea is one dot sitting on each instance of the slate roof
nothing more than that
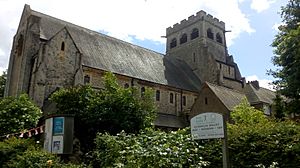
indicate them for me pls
(257, 95)
(110, 54)
(171, 121)
(229, 97)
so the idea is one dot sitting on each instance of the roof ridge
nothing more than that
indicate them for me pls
(224, 94)
(98, 33)
(266, 89)
(233, 90)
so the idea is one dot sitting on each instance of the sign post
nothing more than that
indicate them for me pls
(211, 125)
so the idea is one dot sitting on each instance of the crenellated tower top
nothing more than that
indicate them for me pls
(200, 16)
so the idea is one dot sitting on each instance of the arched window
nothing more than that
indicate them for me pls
(171, 98)
(86, 79)
(219, 38)
(62, 47)
(210, 34)
(195, 33)
(20, 45)
(173, 43)
(184, 100)
(142, 91)
(157, 95)
(126, 85)
(183, 39)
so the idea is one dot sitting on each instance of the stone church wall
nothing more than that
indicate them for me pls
(163, 104)
(62, 62)
(208, 102)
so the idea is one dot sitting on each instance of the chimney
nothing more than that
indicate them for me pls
(255, 84)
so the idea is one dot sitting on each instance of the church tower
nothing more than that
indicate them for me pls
(200, 42)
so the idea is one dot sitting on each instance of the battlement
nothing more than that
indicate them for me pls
(201, 15)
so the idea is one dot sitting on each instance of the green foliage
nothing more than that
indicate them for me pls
(255, 140)
(74, 100)
(279, 107)
(2, 83)
(116, 108)
(112, 109)
(147, 149)
(246, 114)
(34, 157)
(24, 153)
(17, 113)
(10, 148)
(287, 51)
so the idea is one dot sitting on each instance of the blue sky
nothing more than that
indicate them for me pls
(253, 52)
(143, 22)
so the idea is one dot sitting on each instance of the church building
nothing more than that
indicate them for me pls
(196, 74)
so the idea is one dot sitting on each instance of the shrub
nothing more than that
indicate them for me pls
(34, 157)
(257, 140)
(147, 149)
(24, 153)
(111, 109)
(17, 113)
(10, 148)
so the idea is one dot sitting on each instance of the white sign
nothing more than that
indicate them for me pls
(207, 126)
(58, 144)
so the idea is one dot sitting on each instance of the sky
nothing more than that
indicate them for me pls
(252, 24)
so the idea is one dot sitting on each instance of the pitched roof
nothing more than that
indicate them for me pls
(259, 94)
(229, 97)
(110, 54)
(171, 121)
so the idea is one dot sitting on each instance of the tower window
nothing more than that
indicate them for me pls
(86, 79)
(184, 100)
(194, 57)
(219, 38)
(157, 95)
(195, 33)
(206, 101)
(173, 43)
(62, 47)
(183, 39)
(229, 70)
(210, 34)
(142, 91)
(171, 98)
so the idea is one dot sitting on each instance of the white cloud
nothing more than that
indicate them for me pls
(276, 26)
(229, 12)
(265, 83)
(141, 19)
(1, 52)
(261, 5)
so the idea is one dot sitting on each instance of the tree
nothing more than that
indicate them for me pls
(287, 55)
(246, 114)
(2, 83)
(17, 114)
(111, 109)
(279, 107)
(257, 140)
